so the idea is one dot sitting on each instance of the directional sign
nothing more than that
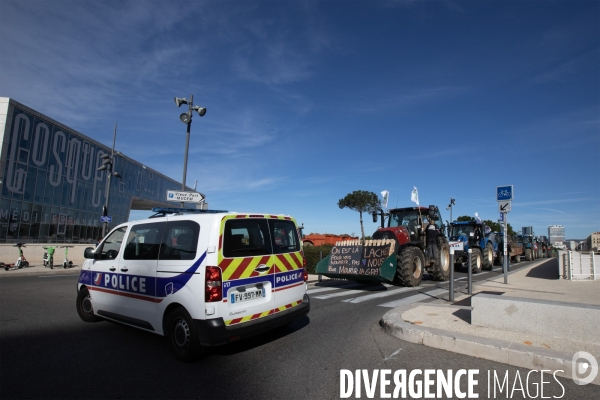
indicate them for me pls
(504, 193)
(107, 218)
(504, 206)
(186, 197)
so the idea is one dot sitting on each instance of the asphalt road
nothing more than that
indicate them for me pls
(46, 351)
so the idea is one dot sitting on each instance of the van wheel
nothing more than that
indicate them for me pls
(85, 309)
(183, 337)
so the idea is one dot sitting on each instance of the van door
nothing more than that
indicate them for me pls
(288, 262)
(104, 288)
(137, 270)
(178, 267)
(245, 259)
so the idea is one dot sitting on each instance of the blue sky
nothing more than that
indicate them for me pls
(309, 101)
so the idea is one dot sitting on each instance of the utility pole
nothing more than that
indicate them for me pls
(107, 164)
(186, 118)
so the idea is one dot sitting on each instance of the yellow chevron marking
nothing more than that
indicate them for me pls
(292, 260)
(250, 268)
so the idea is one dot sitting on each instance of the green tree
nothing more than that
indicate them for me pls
(465, 218)
(361, 201)
(495, 227)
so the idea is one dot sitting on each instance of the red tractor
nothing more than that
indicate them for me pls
(406, 227)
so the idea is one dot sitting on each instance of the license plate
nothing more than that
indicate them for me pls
(248, 295)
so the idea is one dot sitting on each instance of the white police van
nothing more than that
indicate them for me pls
(199, 277)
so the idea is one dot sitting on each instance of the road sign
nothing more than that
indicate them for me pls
(501, 219)
(107, 218)
(504, 193)
(504, 206)
(185, 197)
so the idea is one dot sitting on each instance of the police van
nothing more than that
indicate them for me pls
(199, 277)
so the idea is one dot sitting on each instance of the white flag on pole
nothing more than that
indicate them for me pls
(414, 196)
(477, 219)
(385, 195)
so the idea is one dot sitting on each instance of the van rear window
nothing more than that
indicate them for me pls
(251, 237)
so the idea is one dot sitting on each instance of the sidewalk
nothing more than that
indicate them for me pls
(34, 270)
(447, 325)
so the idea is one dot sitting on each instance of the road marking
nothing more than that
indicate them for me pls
(340, 294)
(456, 279)
(413, 299)
(391, 355)
(318, 289)
(379, 295)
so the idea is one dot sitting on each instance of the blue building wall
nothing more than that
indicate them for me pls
(51, 191)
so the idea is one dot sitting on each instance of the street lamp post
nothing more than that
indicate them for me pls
(452, 203)
(107, 164)
(186, 118)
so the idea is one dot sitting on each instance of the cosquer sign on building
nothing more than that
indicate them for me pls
(51, 190)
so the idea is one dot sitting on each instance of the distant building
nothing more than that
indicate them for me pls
(592, 243)
(556, 233)
(50, 186)
(571, 244)
(527, 230)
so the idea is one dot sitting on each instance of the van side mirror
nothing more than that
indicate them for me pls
(89, 253)
(374, 216)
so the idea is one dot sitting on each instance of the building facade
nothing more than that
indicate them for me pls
(51, 190)
(592, 243)
(556, 233)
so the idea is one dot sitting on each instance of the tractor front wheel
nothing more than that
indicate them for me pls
(488, 257)
(441, 269)
(476, 261)
(409, 271)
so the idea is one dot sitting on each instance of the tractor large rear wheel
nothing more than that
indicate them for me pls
(488, 257)
(441, 270)
(409, 271)
(528, 255)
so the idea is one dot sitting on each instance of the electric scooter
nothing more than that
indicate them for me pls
(49, 257)
(67, 264)
(21, 261)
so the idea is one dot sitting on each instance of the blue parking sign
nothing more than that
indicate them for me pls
(504, 193)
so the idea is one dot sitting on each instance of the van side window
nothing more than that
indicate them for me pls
(112, 244)
(143, 241)
(285, 236)
(246, 238)
(180, 240)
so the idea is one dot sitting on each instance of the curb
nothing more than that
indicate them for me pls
(501, 351)
(69, 271)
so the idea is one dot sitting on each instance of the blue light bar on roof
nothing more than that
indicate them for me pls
(168, 210)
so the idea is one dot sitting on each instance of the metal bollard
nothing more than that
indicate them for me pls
(470, 280)
(320, 258)
(451, 286)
